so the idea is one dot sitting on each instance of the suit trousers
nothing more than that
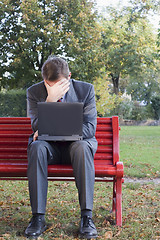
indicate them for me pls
(42, 153)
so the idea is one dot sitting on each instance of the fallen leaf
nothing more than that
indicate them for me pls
(157, 214)
(157, 219)
(118, 233)
(108, 235)
(6, 235)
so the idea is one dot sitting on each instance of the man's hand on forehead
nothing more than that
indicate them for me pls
(60, 81)
(57, 89)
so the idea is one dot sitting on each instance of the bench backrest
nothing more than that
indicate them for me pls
(14, 134)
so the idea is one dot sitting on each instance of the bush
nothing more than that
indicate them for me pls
(132, 111)
(13, 103)
(125, 109)
(138, 112)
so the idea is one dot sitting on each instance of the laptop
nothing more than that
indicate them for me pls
(58, 121)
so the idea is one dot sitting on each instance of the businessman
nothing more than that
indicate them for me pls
(58, 85)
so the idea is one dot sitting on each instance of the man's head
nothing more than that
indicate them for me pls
(55, 68)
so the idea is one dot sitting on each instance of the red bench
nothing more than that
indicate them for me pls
(14, 133)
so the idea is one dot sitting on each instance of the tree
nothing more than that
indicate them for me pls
(106, 101)
(32, 30)
(127, 50)
(155, 103)
(146, 85)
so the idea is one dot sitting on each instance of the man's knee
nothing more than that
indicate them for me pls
(80, 147)
(37, 151)
(36, 146)
(81, 152)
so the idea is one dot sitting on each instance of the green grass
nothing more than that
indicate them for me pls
(140, 150)
(141, 211)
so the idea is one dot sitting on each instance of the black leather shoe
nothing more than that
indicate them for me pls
(36, 226)
(87, 228)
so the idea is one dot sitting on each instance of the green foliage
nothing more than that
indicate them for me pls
(155, 103)
(144, 6)
(145, 84)
(105, 100)
(13, 103)
(132, 110)
(138, 112)
(124, 109)
(126, 50)
(32, 30)
(123, 42)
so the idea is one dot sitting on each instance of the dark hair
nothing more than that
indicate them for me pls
(54, 68)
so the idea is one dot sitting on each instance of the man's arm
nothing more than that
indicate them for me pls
(90, 115)
(32, 110)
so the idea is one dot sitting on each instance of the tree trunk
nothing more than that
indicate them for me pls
(115, 80)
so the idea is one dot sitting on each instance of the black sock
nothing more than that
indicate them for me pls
(86, 212)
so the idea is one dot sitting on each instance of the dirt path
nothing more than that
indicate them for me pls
(142, 180)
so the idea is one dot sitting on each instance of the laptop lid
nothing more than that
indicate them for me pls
(58, 121)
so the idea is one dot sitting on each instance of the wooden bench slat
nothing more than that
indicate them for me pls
(20, 134)
(14, 143)
(103, 156)
(13, 156)
(104, 120)
(5, 155)
(101, 149)
(13, 149)
(15, 131)
(104, 149)
(13, 162)
(103, 135)
(14, 136)
(104, 128)
(15, 126)
(19, 142)
(104, 141)
(54, 170)
(14, 120)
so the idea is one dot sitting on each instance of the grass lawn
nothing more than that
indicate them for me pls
(140, 151)
(141, 211)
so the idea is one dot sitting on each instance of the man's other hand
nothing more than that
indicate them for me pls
(35, 136)
(56, 90)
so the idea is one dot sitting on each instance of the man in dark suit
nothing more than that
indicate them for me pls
(57, 84)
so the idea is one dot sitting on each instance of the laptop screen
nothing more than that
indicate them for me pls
(60, 121)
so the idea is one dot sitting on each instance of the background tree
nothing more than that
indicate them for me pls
(147, 84)
(155, 103)
(127, 50)
(32, 30)
(106, 101)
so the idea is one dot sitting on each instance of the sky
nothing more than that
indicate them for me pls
(110, 2)
(154, 19)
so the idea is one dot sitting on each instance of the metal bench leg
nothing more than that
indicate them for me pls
(119, 202)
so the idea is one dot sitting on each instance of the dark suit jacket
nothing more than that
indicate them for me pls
(78, 92)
